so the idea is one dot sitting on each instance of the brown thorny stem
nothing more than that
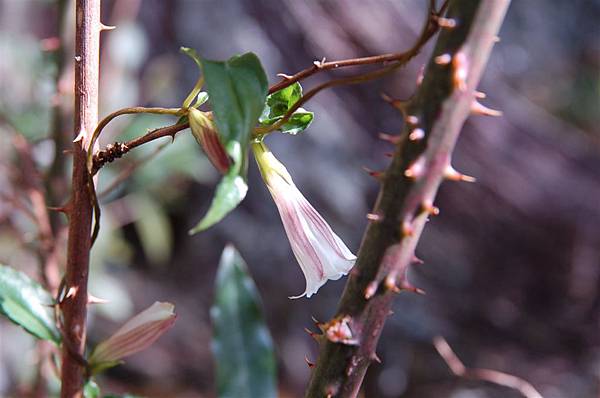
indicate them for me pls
(74, 303)
(433, 119)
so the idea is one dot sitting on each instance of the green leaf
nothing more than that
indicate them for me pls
(26, 303)
(242, 344)
(230, 192)
(91, 389)
(278, 104)
(237, 90)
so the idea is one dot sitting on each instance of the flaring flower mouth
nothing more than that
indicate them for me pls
(321, 254)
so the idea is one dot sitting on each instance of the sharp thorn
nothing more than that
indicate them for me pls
(284, 76)
(430, 208)
(478, 109)
(416, 260)
(96, 300)
(371, 289)
(416, 135)
(374, 217)
(443, 59)
(312, 334)
(376, 358)
(480, 95)
(390, 284)
(454, 175)
(71, 292)
(412, 119)
(460, 66)
(446, 23)
(376, 174)
(309, 363)
(107, 27)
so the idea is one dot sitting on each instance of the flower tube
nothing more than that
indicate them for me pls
(135, 335)
(320, 252)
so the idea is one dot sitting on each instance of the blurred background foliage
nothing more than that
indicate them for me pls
(512, 264)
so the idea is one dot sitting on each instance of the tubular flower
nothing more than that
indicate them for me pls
(206, 135)
(320, 252)
(135, 335)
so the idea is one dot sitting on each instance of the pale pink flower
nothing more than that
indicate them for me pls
(135, 335)
(320, 252)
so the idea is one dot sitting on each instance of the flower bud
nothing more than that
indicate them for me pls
(135, 335)
(206, 135)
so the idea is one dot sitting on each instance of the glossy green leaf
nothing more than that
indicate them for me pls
(91, 389)
(230, 192)
(278, 104)
(237, 90)
(242, 344)
(26, 303)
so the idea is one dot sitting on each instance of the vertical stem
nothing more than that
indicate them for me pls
(74, 307)
(441, 104)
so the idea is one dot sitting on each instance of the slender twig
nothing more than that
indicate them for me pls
(493, 376)
(74, 305)
(128, 171)
(405, 202)
(401, 58)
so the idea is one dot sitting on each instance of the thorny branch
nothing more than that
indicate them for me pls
(433, 119)
(493, 376)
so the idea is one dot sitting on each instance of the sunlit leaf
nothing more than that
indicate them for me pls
(230, 192)
(26, 303)
(278, 104)
(237, 90)
(242, 344)
(91, 389)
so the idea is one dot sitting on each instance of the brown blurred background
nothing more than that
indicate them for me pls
(512, 264)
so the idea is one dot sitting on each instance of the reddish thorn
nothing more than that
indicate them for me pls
(374, 217)
(454, 175)
(372, 173)
(421, 75)
(371, 289)
(96, 300)
(480, 95)
(284, 76)
(430, 208)
(479, 109)
(312, 334)
(416, 135)
(407, 228)
(443, 59)
(407, 286)
(416, 169)
(309, 363)
(396, 103)
(417, 260)
(107, 27)
(71, 292)
(390, 313)
(412, 119)
(390, 283)
(460, 65)
(393, 139)
(376, 358)
(446, 23)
